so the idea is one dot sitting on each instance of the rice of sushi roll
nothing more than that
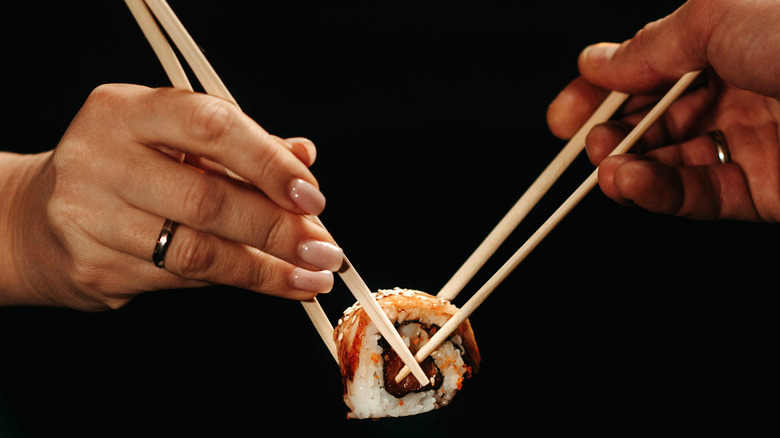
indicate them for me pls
(369, 365)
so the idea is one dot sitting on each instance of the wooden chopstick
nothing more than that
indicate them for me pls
(214, 85)
(321, 324)
(178, 78)
(473, 303)
(159, 44)
(362, 293)
(195, 58)
(530, 198)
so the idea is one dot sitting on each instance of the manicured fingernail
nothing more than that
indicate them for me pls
(320, 282)
(321, 254)
(307, 197)
(598, 54)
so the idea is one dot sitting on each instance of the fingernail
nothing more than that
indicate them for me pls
(307, 197)
(598, 54)
(320, 282)
(323, 255)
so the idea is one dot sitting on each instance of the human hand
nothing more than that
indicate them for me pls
(678, 171)
(91, 212)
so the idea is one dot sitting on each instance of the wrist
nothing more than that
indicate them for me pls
(17, 173)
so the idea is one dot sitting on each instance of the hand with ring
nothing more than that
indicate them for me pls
(90, 224)
(716, 152)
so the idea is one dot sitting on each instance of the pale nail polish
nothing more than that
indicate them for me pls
(307, 197)
(323, 255)
(320, 282)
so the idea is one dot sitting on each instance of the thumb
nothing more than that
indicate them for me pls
(656, 56)
(737, 39)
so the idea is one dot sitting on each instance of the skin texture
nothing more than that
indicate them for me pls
(91, 210)
(675, 168)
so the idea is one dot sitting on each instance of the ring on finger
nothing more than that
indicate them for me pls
(721, 146)
(163, 242)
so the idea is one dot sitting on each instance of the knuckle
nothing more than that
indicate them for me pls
(59, 215)
(203, 202)
(257, 278)
(272, 163)
(192, 257)
(104, 94)
(210, 120)
(91, 278)
(104, 99)
(264, 277)
(88, 125)
(277, 229)
(115, 303)
(644, 40)
(85, 275)
(268, 159)
(65, 220)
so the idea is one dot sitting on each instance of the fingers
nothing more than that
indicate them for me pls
(251, 236)
(214, 129)
(196, 258)
(657, 55)
(201, 256)
(698, 192)
(700, 151)
(572, 107)
(732, 37)
(234, 212)
(303, 148)
(685, 178)
(576, 103)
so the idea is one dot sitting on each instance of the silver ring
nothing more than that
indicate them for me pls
(721, 146)
(163, 242)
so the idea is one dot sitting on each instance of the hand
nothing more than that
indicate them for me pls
(678, 171)
(92, 210)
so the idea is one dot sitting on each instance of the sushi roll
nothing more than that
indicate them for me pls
(369, 366)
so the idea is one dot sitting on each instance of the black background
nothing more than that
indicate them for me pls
(430, 122)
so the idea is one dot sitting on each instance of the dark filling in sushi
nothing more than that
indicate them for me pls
(418, 335)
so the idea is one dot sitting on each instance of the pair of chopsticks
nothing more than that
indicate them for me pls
(150, 12)
(527, 202)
